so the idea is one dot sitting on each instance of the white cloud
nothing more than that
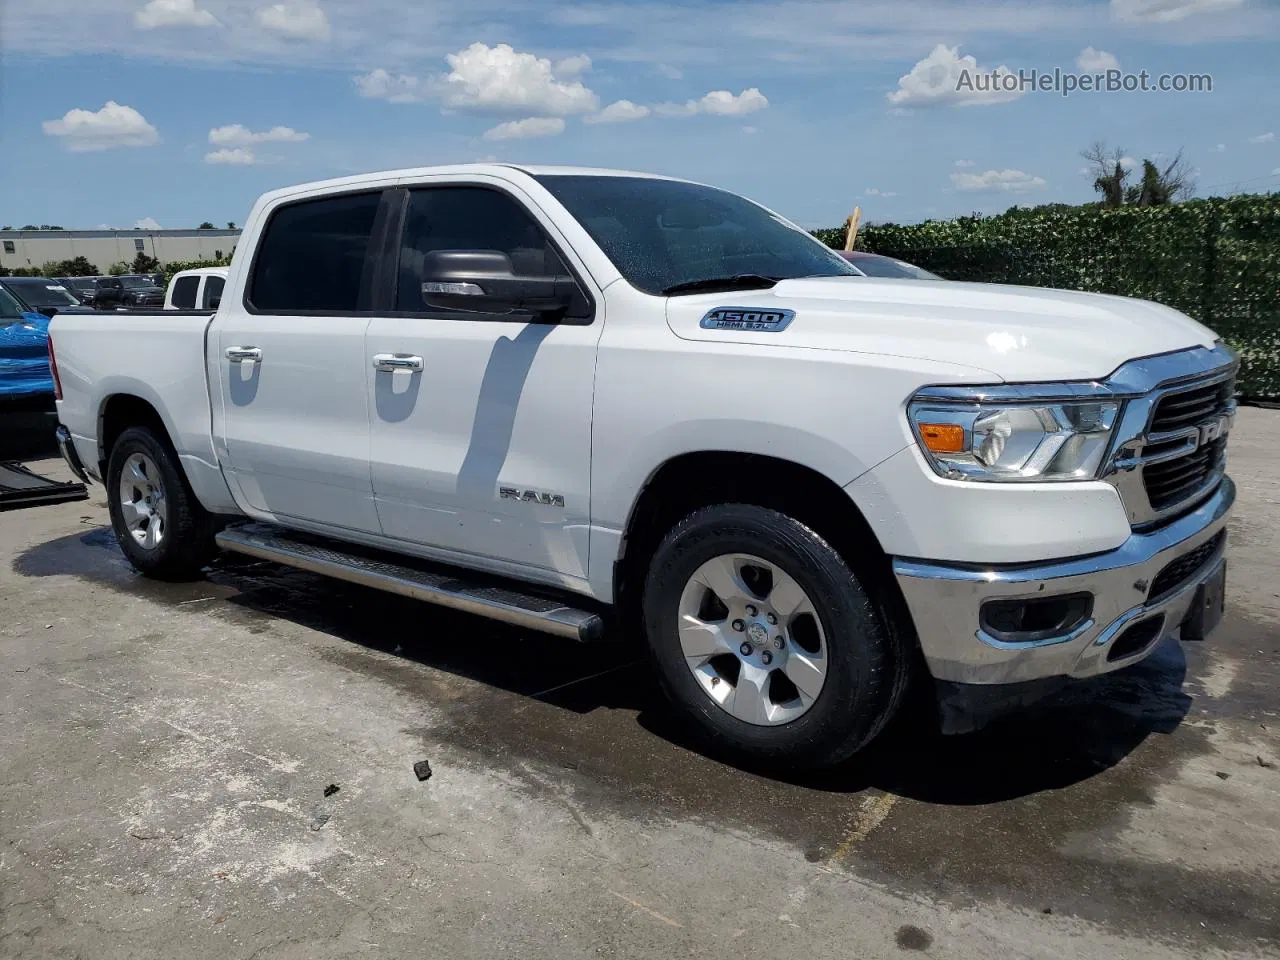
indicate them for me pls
(237, 134)
(400, 88)
(173, 13)
(1165, 11)
(573, 66)
(945, 77)
(295, 20)
(997, 181)
(720, 103)
(232, 156)
(621, 111)
(1092, 60)
(1220, 148)
(526, 129)
(147, 223)
(750, 129)
(484, 78)
(1276, 172)
(670, 72)
(877, 192)
(115, 125)
(1128, 163)
(963, 163)
(1263, 138)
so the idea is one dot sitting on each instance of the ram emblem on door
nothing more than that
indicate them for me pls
(532, 496)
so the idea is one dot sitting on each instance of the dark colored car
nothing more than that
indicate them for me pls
(84, 288)
(44, 295)
(128, 291)
(875, 265)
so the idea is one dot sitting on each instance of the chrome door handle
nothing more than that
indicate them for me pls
(390, 362)
(243, 354)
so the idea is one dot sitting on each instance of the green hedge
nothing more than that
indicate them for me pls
(1217, 260)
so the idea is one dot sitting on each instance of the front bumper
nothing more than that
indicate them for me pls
(945, 602)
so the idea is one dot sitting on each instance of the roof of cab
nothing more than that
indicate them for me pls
(493, 169)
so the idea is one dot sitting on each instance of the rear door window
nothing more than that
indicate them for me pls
(184, 292)
(313, 257)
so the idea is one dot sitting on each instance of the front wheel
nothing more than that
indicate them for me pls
(161, 527)
(766, 640)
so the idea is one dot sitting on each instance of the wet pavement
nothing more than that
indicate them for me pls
(167, 748)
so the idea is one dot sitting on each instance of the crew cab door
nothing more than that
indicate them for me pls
(481, 421)
(290, 366)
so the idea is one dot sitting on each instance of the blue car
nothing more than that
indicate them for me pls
(26, 383)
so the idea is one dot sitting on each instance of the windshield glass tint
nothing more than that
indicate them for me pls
(135, 282)
(660, 233)
(10, 309)
(45, 294)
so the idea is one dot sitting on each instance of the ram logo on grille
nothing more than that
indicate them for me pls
(746, 318)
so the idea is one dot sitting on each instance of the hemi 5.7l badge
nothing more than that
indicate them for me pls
(746, 318)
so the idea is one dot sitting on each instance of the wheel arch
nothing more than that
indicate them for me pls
(125, 408)
(688, 481)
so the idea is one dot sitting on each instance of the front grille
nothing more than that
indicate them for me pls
(1173, 481)
(1177, 572)
(1190, 407)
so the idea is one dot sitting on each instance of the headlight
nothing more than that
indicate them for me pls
(1012, 442)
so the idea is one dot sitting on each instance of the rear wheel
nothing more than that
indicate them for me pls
(160, 525)
(766, 640)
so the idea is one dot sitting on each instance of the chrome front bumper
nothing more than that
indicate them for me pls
(945, 601)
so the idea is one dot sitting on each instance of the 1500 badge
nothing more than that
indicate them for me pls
(745, 318)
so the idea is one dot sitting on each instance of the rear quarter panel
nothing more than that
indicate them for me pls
(157, 357)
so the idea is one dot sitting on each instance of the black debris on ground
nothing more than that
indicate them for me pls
(422, 770)
(331, 789)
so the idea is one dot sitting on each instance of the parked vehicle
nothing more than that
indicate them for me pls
(876, 265)
(551, 396)
(128, 291)
(200, 288)
(43, 295)
(26, 385)
(83, 289)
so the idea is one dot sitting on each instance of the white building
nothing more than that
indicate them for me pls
(102, 248)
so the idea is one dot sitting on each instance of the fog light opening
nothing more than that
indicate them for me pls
(1035, 620)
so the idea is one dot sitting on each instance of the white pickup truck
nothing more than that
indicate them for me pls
(566, 398)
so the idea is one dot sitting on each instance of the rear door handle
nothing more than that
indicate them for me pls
(243, 354)
(390, 362)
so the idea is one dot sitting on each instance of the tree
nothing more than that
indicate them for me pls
(231, 224)
(145, 264)
(206, 225)
(75, 267)
(29, 226)
(1157, 188)
(119, 269)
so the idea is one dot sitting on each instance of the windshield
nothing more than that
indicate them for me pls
(46, 295)
(895, 269)
(666, 233)
(134, 282)
(10, 308)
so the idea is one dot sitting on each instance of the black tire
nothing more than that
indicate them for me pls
(868, 662)
(187, 544)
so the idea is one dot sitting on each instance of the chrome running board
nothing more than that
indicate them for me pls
(484, 597)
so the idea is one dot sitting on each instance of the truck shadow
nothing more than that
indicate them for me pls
(597, 708)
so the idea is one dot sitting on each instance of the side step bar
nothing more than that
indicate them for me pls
(478, 596)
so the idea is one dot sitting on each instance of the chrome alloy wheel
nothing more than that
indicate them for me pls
(752, 639)
(143, 506)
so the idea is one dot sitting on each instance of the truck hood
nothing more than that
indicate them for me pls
(1012, 333)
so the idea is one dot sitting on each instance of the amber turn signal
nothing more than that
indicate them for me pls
(942, 437)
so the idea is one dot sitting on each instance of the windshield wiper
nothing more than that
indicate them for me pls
(741, 281)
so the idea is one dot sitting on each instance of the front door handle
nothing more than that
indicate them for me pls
(390, 362)
(244, 354)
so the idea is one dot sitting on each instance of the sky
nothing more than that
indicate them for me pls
(167, 113)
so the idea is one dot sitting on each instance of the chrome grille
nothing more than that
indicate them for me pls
(1171, 442)
(1171, 482)
(1187, 408)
